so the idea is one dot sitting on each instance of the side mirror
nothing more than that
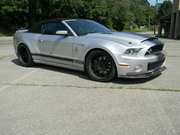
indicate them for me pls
(62, 32)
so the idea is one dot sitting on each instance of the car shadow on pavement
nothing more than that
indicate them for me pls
(55, 69)
(84, 75)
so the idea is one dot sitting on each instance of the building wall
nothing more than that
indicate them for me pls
(176, 5)
(175, 21)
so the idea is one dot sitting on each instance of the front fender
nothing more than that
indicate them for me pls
(112, 49)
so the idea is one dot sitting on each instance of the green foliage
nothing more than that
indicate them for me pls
(116, 14)
(142, 11)
(13, 12)
(165, 9)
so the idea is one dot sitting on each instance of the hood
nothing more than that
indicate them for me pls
(125, 38)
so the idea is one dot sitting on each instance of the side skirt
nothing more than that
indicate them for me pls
(59, 61)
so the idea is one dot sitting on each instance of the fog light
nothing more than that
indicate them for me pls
(138, 68)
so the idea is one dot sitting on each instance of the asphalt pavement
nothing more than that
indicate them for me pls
(46, 100)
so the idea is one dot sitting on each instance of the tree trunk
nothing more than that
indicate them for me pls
(32, 11)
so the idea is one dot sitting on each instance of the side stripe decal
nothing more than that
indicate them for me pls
(59, 58)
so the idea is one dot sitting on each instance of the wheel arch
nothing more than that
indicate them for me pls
(102, 49)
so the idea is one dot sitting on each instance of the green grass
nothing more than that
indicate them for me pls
(96, 87)
(2, 35)
(2, 57)
(6, 42)
(173, 56)
(138, 30)
(4, 32)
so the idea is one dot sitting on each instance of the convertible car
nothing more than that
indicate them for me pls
(86, 45)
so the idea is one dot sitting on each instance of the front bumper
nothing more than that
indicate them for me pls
(140, 67)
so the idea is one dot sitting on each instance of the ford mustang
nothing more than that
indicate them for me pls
(86, 45)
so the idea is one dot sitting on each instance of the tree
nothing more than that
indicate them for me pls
(32, 10)
(13, 14)
(116, 14)
(165, 9)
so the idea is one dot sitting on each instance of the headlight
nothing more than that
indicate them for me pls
(132, 51)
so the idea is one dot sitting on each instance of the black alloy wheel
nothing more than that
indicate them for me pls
(100, 66)
(24, 56)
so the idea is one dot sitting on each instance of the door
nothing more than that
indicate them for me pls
(56, 48)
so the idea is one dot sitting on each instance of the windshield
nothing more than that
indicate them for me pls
(83, 27)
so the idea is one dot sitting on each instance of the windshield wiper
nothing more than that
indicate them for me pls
(105, 32)
(88, 33)
(100, 32)
(96, 32)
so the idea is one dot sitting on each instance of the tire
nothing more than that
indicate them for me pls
(24, 56)
(100, 66)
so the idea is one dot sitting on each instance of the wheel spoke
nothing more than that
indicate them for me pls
(102, 65)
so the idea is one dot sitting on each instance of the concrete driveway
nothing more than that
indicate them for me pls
(45, 100)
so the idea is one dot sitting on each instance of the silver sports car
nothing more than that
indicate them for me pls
(86, 45)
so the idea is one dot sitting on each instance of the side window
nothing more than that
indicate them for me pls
(51, 28)
(35, 28)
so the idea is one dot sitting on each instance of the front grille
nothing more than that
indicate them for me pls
(155, 65)
(154, 49)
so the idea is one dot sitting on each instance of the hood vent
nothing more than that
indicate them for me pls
(150, 39)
